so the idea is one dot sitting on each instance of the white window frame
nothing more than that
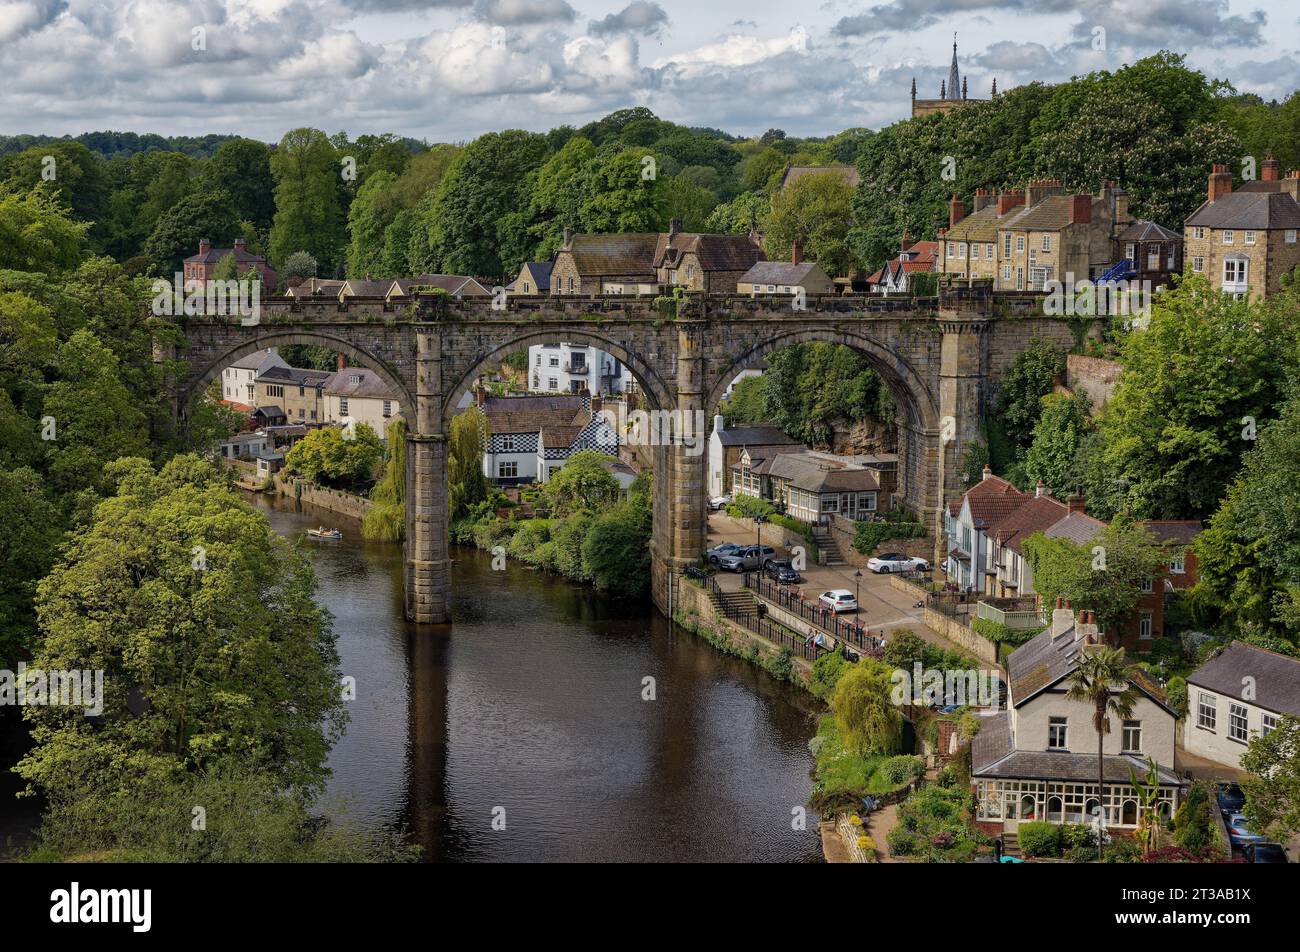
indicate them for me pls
(1238, 722)
(1250, 237)
(508, 469)
(1198, 264)
(1178, 565)
(1058, 733)
(1020, 243)
(1047, 242)
(1131, 731)
(1267, 723)
(1198, 232)
(1145, 626)
(1207, 711)
(952, 249)
(1289, 236)
(1229, 236)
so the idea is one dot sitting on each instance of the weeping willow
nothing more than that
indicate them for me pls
(466, 484)
(386, 520)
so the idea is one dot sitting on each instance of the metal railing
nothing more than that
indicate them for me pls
(791, 599)
(804, 647)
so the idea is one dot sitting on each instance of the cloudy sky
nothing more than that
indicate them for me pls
(448, 70)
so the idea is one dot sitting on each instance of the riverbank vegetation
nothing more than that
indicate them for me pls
(778, 662)
(337, 457)
(386, 519)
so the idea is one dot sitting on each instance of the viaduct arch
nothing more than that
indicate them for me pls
(942, 359)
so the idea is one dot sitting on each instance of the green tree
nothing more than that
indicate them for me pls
(372, 211)
(26, 554)
(619, 198)
(816, 210)
(202, 620)
(1104, 576)
(36, 233)
(1100, 679)
(583, 483)
(466, 484)
(1272, 783)
(1053, 456)
(813, 391)
(241, 169)
(869, 721)
(308, 211)
(386, 518)
(616, 549)
(1030, 377)
(334, 456)
(298, 267)
(201, 214)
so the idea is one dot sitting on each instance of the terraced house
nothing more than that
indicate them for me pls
(1244, 241)
(1057, 235)
(296, 393)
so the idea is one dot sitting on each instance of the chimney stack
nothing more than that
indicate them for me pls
(1081, 209)
(1074, 503)
(796, 252)
(1062, 618)
(988, 472)
(1086, 629)
(342, 362)
(239, 244)
(596, 405)
(1040, 189)
(906, 242)
(480, 394)
(956, 211)
(204, 246)
(983, 199)
(1220, 182)
(674, 226)
(1009, 199)
(1040, 490)
(1271, 169)
(568, 238)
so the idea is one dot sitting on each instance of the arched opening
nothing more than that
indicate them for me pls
(1129, 813)
(1028, 807)
(1054, 809)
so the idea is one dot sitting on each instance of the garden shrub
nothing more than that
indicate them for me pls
(903, 768)
(1039, 839)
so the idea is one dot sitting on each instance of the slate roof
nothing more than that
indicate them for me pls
(316, 287)
(992, 755)
(781, 272)
(1051, 214)
(531, 414)
(1143, 230)
(818, 475)
(361, 287)
(981, 225)
(255, 360)
(368, 384)
(1079, 527)
(1181, 532)
(1254, 210)
(1036, 515)
(796, 172)
(760, 457)
(599, 255)
(541, 272)
(295, 376)
(1276, 677)
(715, 252)
(754, 436)
(214, 255)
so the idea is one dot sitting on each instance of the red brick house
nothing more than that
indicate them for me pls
(200, 267)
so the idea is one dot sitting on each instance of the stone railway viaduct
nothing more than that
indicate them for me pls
(942, 358)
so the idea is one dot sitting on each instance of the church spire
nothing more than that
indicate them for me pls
(954, 80)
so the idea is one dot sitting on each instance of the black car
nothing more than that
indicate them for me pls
(1231, 799)
(781, 570)
(1264, 853)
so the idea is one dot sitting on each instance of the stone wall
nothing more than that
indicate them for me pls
(335, 500)
(1092, 376)
(965, 638)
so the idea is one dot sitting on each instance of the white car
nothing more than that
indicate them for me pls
(839, 600)
(718, 503)
(896, 562)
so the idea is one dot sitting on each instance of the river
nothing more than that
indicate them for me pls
(529, 712)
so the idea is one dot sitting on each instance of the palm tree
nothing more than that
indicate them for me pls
(1094, 682)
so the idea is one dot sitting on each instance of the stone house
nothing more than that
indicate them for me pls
(1155, 251)
(238, 381)
(586, 264)
(1056, 236)
(358, 395)
(534, 278)
(968, 246)
(1244, 241)
(785, 277)
(199, 267)
(713, 263)
(1239, 693)
(297, 393)
(726, 446)
(457, 285)
(1037, 760)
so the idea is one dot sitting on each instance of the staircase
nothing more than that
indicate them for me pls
(1011, 845)
(735, 603)
(827, 546)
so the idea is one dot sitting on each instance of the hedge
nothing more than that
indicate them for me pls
(868, 535)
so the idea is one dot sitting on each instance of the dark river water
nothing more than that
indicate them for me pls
(529, 711)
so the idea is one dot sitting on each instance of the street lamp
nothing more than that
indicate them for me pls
(758, 528)
(857, 581)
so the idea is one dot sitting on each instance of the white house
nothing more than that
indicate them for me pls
(531, 438)
(358, 395)
(246, 445)
(1037, 760)
(726, 445)
(237, 380)
(967, 523)
(575, 368)
(1240, 693)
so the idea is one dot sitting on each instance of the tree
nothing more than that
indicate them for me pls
(37, 234)
(1205, 371)
(616, 550)
(308, 213)
(176, 236)
(26, 554)
(1104, 576)
(466, 484)
(619, 198)
(1094, 681)
(386, 518)
(813, 391)
(1272, 783)
(298, 267)
(1030, 377)
(372, 211)
(869, 721)
(241, 169)
(336, 456)
(746, 405)
(688, 202)
(1249, 553)
(202, 620)
(583, 483)
(816, 210)
(1053, 456)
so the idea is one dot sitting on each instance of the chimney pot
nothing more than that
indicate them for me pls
(988, 471)
(956, 211)
(796, 252)
(342, 362)
(1075, 503)
(1220, 182)
(1039, 489)
(1081, 209)
(1270, 169)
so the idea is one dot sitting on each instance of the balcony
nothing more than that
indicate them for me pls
(1013, 613)
(579, 369)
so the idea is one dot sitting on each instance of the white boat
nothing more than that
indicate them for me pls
(333, 535)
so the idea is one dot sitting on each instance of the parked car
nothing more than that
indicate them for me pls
(715, 554)
(1265, 853)
(781, 570)
(896, 562)
(718, 503)
(1231, 799)
(839, 600)
(1239, 833)
(747, 558)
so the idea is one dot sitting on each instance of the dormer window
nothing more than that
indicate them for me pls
(354, 378)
